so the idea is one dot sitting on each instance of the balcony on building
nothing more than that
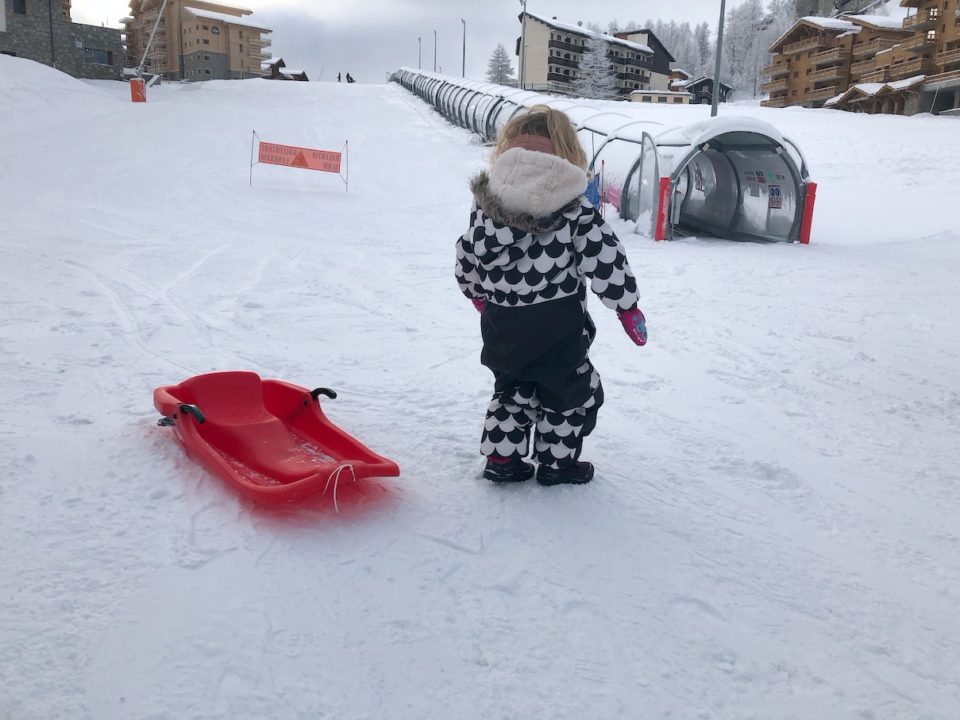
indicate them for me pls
(261, 42)
(774, 86)
(823, 93)
(775, 102)
(811, 43)
(924, 19)
(862, 67)
(568, 46)
(835, 72)
(945, 80)
(872, 47)
(833, 56)
(920, 66)
(880, 75)
(777, 70)
(949, 58)
(921, 42)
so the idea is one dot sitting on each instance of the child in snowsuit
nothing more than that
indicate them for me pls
(533, 244)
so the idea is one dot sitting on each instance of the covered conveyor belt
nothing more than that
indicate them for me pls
(731, 177)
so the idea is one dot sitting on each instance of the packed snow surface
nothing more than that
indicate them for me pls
(773, 528)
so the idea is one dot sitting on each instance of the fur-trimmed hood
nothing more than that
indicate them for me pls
(529, 190)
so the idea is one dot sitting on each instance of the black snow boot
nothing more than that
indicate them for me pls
(577, 474)
(511, 470)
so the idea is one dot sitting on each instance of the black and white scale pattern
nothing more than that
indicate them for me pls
(512, 267)
(513, 415)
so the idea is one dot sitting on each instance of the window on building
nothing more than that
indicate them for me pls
(97, 57)
(661, 99)
(20, 7)
(206, 41)
(677, 100)
(206, 72)
(206, 27)
(241, 47)
(646, 98)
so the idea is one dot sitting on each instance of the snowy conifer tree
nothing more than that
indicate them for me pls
(596, 77)
(499, 69)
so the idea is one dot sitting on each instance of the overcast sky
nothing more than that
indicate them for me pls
(367, 38)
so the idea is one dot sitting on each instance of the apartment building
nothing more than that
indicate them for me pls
(42, 30)
(550, 52)
(871, 63)
(196, 40)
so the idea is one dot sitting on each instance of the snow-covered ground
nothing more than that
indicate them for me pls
(773, 531)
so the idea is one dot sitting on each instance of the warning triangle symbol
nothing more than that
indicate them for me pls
(299, 161)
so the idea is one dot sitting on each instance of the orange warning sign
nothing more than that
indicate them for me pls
(290, 156)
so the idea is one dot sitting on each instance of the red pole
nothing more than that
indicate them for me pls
(806, 224)
(660, 229)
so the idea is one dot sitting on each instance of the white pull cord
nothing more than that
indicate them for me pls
(335, 477)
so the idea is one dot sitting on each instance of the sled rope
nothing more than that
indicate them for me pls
(335, 477)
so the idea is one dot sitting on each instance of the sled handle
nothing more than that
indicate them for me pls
(317, 392)
(193, 410)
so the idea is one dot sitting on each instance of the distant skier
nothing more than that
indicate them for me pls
(350, 78)
(338, 77)
(533, 245)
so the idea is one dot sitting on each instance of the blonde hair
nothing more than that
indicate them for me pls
(546, 122)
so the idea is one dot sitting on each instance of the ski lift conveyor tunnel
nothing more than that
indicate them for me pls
(734, 178)
(730, 177)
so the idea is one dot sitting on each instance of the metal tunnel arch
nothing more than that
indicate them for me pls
(732, 177)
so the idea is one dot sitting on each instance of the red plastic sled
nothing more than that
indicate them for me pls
(268, 439)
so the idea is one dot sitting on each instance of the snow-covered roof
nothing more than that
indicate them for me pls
(580, 30)
(821, 22)
(829, 23)
(704, 77)
(908, 82)
(707, 130)
(682, 72)
(223, 17)
(883, 22)
(660, 92)
(871, 89)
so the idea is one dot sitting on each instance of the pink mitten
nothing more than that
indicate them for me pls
(478, 303)
(635, 325)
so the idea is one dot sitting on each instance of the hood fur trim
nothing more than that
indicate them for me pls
(529, 190)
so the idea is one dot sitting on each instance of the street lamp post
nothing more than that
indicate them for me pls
(523, 43)
(434, 50)
(419, 53)
(715, 94)
(463, 70)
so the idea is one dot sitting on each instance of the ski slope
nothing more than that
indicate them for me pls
(772, 532)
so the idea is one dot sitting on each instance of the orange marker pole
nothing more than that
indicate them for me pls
(138, 90)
